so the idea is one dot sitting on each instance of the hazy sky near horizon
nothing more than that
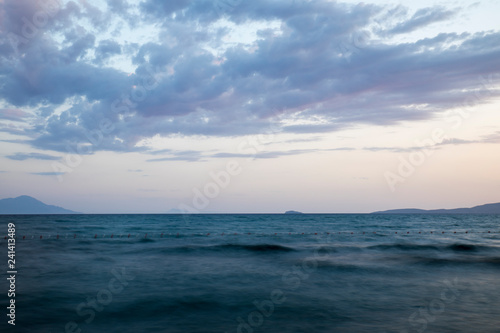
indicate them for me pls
(250, 106)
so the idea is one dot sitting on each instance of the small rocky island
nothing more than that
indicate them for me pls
(291, 212)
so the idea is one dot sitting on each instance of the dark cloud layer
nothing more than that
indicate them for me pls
(37, 156)
(196, 156)
(326, 63)
(48, 173)
(422, 18)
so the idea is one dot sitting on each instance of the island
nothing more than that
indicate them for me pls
(292, 212)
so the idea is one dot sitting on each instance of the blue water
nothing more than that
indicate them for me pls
(254, 273)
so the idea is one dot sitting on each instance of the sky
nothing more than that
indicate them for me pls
(235, 106)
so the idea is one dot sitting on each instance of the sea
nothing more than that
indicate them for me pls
(252, 273)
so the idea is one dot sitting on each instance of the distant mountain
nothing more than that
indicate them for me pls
(493, 208)
(28, 205)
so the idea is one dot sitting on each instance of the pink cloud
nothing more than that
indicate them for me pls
(13, 114)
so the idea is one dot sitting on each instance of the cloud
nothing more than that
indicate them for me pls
(13, 129)
(187, 156)
(316, 60)
(14, 114)
(37, 156)
(396, 149)
(118, 6)
(158, 152)
(493, 138)
(106, 49)
(422, 18)
(48, 173)
(193, 156)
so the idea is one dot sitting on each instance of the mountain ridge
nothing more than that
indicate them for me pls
(25, 204)
(492, 208)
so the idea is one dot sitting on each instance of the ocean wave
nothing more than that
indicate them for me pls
(456, 247)
(495, 261)
(403, 247)
(146, 240)
(255, 248)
